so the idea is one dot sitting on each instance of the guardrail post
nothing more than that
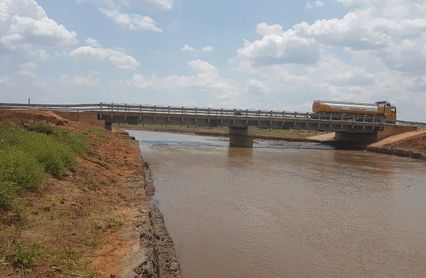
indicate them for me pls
(295, 119)
(112, 111)
(221, 115)
(363, 125)
(125, 112)
(168, 115)
(307, 120)
(283, 121)
(155, 115)
(182, 116)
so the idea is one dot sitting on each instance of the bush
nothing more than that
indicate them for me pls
(20, 169)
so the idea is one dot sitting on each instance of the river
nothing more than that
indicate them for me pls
(288, 209)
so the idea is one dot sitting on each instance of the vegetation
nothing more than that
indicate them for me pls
(23, 256)
(30, 151)
(52, 213)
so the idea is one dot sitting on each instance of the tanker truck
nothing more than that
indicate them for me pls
(381, 110)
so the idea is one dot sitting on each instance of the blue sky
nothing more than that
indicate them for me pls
(247, 54)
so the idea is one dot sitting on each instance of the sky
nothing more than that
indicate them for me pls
(270, 54)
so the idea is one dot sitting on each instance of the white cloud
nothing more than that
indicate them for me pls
(206, 78)
(25, 26)
(93, 42)
(88, 80)
(190, 49)
(28, 69)
(257, 86)
(263, 29)
(276, 47)
(115, 10)
(314, 4)
(156, 4)
(95, 51)
(131, 21)
(207, 49)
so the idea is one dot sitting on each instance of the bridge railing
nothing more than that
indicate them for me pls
(406, 123)
(198, 111)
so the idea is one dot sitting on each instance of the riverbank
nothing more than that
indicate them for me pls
(92, 219)
(408, 144)
(273, 134)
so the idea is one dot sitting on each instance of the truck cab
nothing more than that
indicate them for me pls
(387, 109)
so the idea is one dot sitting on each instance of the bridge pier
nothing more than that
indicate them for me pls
(108, 125)
(241, 137)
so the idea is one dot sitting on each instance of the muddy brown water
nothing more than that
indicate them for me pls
(288, 209)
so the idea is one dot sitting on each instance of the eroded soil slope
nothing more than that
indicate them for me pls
(83, 224)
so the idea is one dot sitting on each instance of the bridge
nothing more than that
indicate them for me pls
(242, 124)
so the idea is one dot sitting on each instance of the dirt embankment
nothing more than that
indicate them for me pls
(94, 222)
(409, 144)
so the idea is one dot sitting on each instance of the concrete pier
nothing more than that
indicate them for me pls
(108, 125)
(241, 137)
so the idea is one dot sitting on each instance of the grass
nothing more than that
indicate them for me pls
(97, 132)
(67, 260)
(23, 256)
(29, 152)
(99, 228)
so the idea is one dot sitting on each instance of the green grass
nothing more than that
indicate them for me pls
(8, 191)
(23, 256)
(97, 132)
(28, 152)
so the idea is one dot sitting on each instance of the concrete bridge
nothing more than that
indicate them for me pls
(242, 124)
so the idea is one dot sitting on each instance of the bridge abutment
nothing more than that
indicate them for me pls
(241, 137)
(355, 138)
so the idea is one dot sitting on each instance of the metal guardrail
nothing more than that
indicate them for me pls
(416, 124)
(211, 112)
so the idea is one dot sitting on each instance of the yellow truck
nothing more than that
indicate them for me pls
(379, 110)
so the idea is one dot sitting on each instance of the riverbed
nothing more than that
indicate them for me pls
(288, 209)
